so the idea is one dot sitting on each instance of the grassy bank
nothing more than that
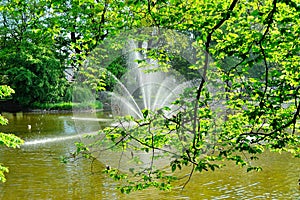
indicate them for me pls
(68, 106)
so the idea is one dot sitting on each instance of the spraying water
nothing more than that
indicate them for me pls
(42, 141)
(146, 86)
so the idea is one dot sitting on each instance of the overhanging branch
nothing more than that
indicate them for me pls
(207, 46)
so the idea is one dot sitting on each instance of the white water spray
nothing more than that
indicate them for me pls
(57, 139)
(146, 86)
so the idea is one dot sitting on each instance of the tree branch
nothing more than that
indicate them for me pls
(207, 46)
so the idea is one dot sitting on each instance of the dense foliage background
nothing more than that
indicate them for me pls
(254, 45)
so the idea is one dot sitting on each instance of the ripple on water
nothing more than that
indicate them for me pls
(36, 173)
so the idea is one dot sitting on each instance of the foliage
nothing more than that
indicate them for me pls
(29, 61)
(8, 140)
(37, 76)
(118, 69)
(254, 106)
(247, 99)
(5, 91)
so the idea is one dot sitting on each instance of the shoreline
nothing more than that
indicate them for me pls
(38, 111)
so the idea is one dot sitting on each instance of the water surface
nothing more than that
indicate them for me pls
(36, 171)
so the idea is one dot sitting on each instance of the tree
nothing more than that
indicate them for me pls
(29, 61)
(246, 98)
(42, 40)
(8, 140)
(254, 45)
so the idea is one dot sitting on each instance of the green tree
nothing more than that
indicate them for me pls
(8, 140)
(255, 47)
(254, 69)
(41, 39)
(29, 60)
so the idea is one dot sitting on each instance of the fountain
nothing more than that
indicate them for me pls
(145, 86)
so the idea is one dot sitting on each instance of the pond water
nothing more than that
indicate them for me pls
(36, 171)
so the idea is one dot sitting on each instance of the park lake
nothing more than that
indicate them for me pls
(37, 173)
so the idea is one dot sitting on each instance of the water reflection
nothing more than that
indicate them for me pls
(36, 173)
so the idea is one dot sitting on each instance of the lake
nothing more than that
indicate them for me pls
(37, 173)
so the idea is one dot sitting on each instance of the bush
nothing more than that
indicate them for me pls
(81, 94)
